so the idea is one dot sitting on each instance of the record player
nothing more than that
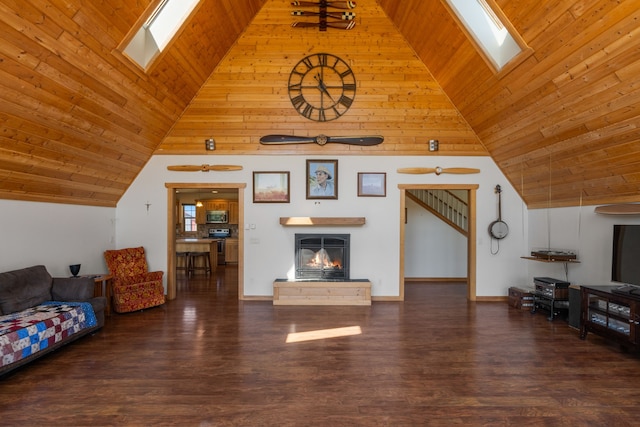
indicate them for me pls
(554, 255)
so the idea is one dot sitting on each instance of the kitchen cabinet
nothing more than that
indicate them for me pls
(216, 205)
(233, 212)
(231, 251)
(201, 214)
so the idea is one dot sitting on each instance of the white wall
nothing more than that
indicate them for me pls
(432, 247)
(268, 248)
(55, 235)
(579, 229)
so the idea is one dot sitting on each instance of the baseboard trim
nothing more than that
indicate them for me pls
(492, 299)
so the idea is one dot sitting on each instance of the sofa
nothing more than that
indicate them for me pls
(39, 314)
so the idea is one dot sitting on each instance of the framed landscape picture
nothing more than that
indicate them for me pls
(372, 184)
(271, 187)
(322, 179)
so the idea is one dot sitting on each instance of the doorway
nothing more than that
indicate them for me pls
(173, 214)
(471, 240)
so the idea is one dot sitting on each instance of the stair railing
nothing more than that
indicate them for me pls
(445, 205)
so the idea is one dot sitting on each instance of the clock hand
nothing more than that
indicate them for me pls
(323, 87)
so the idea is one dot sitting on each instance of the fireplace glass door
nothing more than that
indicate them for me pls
(322, 256)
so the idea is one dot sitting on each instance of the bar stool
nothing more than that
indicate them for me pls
(184, 265)
(193, 262)
(182, 254)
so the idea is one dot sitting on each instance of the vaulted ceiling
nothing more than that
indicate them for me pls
(78, 121)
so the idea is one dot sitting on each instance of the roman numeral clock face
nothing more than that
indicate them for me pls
(322, 87)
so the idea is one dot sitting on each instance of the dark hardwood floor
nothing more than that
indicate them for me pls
(206, 359)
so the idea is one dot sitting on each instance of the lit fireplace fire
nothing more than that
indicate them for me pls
(321, 259)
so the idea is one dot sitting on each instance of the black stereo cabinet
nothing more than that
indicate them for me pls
(612, 312)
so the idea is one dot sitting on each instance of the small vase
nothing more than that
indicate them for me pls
(75, 269)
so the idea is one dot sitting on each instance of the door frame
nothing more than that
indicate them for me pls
(471, 239)
(171, 231)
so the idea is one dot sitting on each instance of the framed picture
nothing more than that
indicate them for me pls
(372, 184)
(322, 179)
(271, 187)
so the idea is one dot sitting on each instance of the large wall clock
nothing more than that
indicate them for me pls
(322, 87)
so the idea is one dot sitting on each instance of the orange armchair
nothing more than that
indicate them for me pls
(133, 286)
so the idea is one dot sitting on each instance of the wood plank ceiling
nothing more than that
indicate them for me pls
(78, 121)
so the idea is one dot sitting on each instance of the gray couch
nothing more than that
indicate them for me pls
(29, 287)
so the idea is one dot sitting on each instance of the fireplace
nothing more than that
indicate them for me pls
(322, 256)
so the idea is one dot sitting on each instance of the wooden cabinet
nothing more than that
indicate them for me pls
(216, 205)
(233, 212)
(201, 214)
(231, 250)
(612, 315)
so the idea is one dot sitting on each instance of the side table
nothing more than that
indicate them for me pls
(102, 288)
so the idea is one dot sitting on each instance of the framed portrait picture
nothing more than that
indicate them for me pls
(322, 179)
(271, 187)
(372, 184)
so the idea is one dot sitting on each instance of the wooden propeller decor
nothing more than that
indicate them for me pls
(334, 4)
(204, 168)
(344, 16)
(438, 170)
(342, 25)
(342, 21)
(321, 139)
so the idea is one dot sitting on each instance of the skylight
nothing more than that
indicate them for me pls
(489, 31)
(157, 31)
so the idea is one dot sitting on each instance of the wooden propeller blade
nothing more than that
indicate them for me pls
(345, 16)
(321, 139)
(357, 140)
(460, 170)
(204, 168)
(343, 25)
(438, 170)
(286, 139)
(417, 171)
(334, 4)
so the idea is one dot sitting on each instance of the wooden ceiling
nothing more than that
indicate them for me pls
(78, 121)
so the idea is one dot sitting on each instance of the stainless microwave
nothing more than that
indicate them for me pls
(217, 217)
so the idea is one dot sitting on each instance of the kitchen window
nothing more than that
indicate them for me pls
(189, 215)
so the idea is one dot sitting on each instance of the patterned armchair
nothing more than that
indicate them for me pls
(134, 287)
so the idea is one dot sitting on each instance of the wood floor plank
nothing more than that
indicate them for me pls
(207, 359)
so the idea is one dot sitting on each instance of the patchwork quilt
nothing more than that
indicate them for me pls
(29, 331)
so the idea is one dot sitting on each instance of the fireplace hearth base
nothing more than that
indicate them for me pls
(322, 292)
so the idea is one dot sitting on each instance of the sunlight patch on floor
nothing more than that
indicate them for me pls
(323, 334)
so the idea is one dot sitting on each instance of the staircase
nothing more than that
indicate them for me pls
(445, 205)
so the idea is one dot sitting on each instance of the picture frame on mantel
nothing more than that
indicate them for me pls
(372, 184)
(322, 179)
(271, 187)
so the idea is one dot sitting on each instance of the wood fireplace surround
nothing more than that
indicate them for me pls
(322, 267)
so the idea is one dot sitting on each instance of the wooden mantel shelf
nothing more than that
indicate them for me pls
(307, 220)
